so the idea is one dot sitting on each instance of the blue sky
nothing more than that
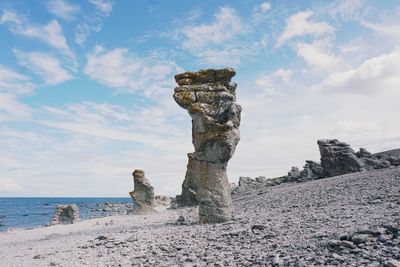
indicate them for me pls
(86, 86)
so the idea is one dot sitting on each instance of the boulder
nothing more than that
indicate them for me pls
(209, 97)
(65, 214)
(143, 194)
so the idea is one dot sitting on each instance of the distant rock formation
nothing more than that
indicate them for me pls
(209, 96)
(143, 194)
(311, 171)
(338, 158)
(65, 214)
(393, 156)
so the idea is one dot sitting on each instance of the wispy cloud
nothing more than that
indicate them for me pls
(104, 7)
(272, 83)
(317, 54)
(300, 24)
(63, 9)
(93, 22)
(260, 11)
(51, 33)
(14, 82)
(10, 16)
(227, 25)
(119, 68)
(221, 42)
(48, 67)
(388, 29)
(13, 110)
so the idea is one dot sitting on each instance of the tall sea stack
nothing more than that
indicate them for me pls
(209, 97)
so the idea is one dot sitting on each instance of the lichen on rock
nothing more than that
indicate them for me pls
(209, 97)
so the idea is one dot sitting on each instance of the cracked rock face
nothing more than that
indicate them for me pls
(65, 214)
(209, 97)
(143, 194)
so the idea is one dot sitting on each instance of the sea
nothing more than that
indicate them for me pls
(28, 212)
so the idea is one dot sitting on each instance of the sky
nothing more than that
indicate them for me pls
(86, 87)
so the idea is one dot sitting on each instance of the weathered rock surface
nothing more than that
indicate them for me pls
(65, 214)
(209, 97)
(143, 194)
(338, 158)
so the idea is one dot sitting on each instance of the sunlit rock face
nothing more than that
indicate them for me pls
(143, 194)
(209, 97)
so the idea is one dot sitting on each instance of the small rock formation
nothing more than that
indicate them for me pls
(372, 162)
(338, 158)
(65, 214)
(143, 194)
(293, 175)
(311, 171)
(209, 97)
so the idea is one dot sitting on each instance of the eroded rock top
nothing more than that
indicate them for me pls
(205, 76)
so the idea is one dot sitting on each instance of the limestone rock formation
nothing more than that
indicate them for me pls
(311, 171)
(293, 175)
(338, 158)
(143, 194)
(393, 156)
(209, 97)
(65, 214)
(372, 162)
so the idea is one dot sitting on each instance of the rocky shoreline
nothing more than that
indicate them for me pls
(348, 220)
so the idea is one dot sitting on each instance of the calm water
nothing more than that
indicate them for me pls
(33, 212)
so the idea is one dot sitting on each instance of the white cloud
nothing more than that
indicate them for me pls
(316, 55)
(273, 83)
(13, 110)
(345, 9)
(93, 22)
(63, 9)
(300, 25)
(9, 186)
(51, 33)
(260, 11)
(10, 16)
(221, 42)
(121, 69)
(373, 75)
(388, 29)
(264, 7)
(48, 67)
(227, 25)
(150, 126)
(14, 82)
(103, 6)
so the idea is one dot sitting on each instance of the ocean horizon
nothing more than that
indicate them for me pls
(31, 212)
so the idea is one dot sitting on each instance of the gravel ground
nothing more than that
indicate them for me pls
(349, 220)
